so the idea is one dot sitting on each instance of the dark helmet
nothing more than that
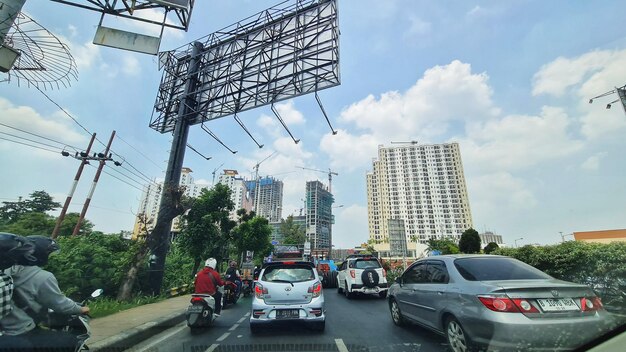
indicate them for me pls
(15, 249)
(44, 246)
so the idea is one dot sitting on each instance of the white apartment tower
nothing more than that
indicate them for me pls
(151, 199)
(239, 191)
(422, 185)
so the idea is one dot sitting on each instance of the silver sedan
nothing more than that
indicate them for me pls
(497, 302)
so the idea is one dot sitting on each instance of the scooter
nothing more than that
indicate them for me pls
(246, 287)
(75, 324)
(200, 311)
(230, 294)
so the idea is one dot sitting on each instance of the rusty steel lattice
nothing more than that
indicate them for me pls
(277, 54)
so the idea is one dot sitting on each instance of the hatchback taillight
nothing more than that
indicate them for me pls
(590, 304)
(353, 274)
(316, 290)
(259, 290)
(197, 299)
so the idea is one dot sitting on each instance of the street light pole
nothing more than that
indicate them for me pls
(518, 239)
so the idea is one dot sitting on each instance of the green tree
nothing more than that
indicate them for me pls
(292, 233)
(490, 247)
(470, 241)
(443, 245)
(69, 222)
(253, 235)
(31, 224)
(205, 230)
(39, 202)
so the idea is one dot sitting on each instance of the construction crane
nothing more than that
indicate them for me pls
(214, 170)
(256, 178)
(329, 172)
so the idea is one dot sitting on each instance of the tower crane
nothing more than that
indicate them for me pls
(329, 172)
(214, 170)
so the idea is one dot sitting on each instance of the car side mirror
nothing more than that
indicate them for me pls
(399, 280)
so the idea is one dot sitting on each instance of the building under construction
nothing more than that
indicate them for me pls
(319, 218)
(269, 203)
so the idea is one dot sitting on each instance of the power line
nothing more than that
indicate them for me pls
(127, 176)
(145, 179)
(139, 151)
(30, 140)
(40, 136)
(108, 173)
(30, 145)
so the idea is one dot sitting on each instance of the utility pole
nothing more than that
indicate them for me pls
(104, 157)
(160, 241)
(84, 157)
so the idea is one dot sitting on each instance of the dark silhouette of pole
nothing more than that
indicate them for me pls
(160, 236)
(83, 162)
(103, 159)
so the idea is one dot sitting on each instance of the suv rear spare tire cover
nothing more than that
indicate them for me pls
(370, 278)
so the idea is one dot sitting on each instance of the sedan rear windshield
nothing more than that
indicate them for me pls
(289, 273)
(497, 268)
(365, 264)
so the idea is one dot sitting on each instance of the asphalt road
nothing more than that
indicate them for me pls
(359, 324)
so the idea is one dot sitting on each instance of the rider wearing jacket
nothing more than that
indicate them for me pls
(232, 274)
(36, 291)
(207, 282)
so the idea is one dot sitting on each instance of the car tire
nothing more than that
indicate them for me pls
(339, 289)
(333, 279)
(457, 338)
(396, 314)
(382, 294)
(347, 292)
(370, 278)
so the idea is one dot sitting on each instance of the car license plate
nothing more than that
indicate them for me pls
(195, 309)
(287, 313)
(557, 305)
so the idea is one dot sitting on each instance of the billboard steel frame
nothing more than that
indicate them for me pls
(277, 54)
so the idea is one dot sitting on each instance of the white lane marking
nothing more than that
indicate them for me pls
(212, 347)
(163, 338)
(247, 314)
(341, 346)
(223, 337)
(241, 320)
(232, 328)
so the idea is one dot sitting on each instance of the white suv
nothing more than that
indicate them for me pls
(364, 274)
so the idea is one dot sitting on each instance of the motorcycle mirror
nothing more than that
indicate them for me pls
(97, 293)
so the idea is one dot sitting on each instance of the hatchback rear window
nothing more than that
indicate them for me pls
(290, 273)
(365, 264)
(496, 268)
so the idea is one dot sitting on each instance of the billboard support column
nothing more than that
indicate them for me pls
(160, 239)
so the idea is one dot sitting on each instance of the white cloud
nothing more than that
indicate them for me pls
(593, 162)
(349, 152)
(290, 115)
(499, 192)
(418, 27)
(350, 227)
(519, 141)
(86, 54)
(131, 65)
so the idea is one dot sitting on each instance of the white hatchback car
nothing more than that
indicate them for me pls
(288, 292)
(363, 274)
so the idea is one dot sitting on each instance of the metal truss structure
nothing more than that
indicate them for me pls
(127, 8)
(277, 54)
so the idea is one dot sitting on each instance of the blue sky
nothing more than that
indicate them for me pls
(510, 81)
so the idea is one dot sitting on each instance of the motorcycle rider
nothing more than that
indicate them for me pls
(14, 249)
(36, 291)
(207, 282)
(232, 274)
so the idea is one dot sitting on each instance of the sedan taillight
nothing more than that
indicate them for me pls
(499, 304)
(590, 304)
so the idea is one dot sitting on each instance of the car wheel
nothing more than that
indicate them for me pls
(457, 338)
(339, 289)
(333, 278)
(382, 294)
(396, 314)
(347, 292)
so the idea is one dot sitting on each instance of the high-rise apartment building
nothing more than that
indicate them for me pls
(269, 203)
(151, 199)
(239, 191)
(319, 218)
(422, 185)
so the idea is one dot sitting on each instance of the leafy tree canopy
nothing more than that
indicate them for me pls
(292, 233)
(470, 241)
(39, 202)
(443, 245)
(253, 235)
(490, 247)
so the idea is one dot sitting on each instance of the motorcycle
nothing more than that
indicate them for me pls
(200, 311)
(246, 287)
(231, 294)
(75, 324)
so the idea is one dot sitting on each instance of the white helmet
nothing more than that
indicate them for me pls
(211, 263)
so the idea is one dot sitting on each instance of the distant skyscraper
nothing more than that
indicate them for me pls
(151, 198)
(424, 186)
(240, 195)
(269, 202)
(319, 218)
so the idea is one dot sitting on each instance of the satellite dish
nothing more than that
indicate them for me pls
(32, 55)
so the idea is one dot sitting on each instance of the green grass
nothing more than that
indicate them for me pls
(102, 307)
